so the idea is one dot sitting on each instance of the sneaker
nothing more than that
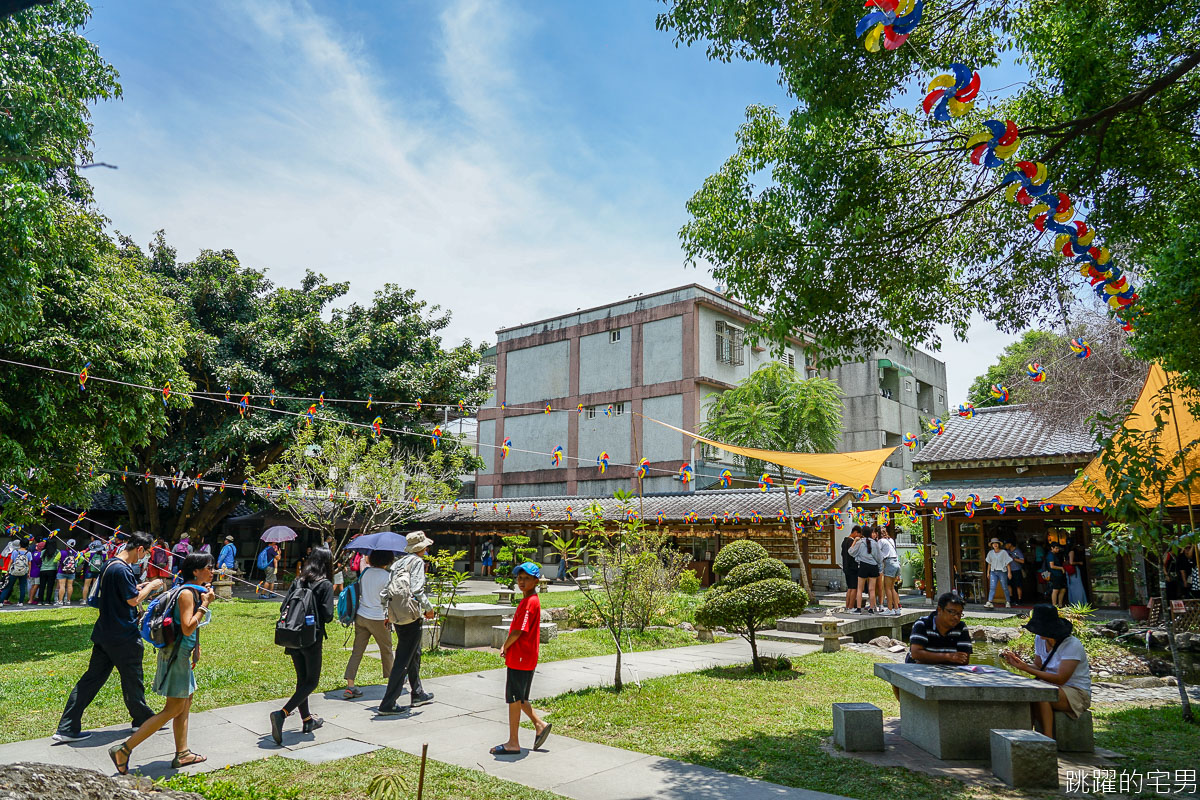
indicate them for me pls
(393, 711)
(988, 605)
(277, 718)
(312, 723)
(69, 737)
(425, 698)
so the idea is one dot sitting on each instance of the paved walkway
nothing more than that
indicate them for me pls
(468, 717)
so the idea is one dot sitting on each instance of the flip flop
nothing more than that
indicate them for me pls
(501, 750)
(351, 694)
(543, 736)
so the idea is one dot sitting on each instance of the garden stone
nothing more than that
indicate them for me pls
(858, 727)
(1109, 633)
(56, 782)
(1024, 759)
(704, 634)
(1074, 735)
(687, 626)
(1118, 625)
(1145, 682)
(557, 614)
(1159, 640)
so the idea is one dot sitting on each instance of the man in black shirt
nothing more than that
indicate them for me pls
(115, 641)
(941, 637)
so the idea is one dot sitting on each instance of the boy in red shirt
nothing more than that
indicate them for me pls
(520, 653)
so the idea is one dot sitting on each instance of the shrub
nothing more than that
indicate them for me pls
(689, 582)
(743, 551)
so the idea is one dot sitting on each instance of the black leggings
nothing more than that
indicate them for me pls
(307, 661)
(407, 663)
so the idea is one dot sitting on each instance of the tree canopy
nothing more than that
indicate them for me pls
(854, 215)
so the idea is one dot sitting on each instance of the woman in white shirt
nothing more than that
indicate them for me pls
(866, 552)
(999, 570)
(1059, 658)
(371, 620)
(891, 571)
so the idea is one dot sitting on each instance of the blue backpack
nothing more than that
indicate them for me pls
(266, 557)
(347, 605)
(160, 624)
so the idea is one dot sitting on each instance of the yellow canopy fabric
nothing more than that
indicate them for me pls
(854, 470)
(1182, 429)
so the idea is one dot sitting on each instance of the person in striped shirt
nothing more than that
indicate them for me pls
(941, 637)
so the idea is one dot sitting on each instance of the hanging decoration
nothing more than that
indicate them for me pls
(910, 514)
(1020, 504)
(998, 504)
(938, 514)
(833, 490)
(966, 410)
(272, 398)
(557, 456)
(891, 20)
(1000, 392)
(780, 516)
(765, 482)
(227, 390)
(371, 398)
(1035, 372)
(437, 436)
(1080, 348)
(579, 408)
(920, 496)
(726, 478)
(991, 148)
(608, 411)
(894, 496)
(311, 413)
(947, 499)
(863, 494)
(643, 468)
(321, 400)
(244, 404)
(506, 447)
(936, 426)
(800, 486)
(547, 408)
(602, 461)
(952, 95)
(418, 403)
(660, 518)
(166, 393)
(685, 472)
(83, 376)
(910, 441)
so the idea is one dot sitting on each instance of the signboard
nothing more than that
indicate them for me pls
(1177, 607)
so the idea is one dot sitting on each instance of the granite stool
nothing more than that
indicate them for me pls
(1024, 759)
(858, 727)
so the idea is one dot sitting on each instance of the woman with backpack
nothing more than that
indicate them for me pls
(408, 606)
(20, 562)
(175, 678)
(370, 621)
(312, 596)
(93, 561)
(66, 573)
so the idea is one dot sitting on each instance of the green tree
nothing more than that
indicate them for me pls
(65, 298)
(250, 336)
(1171, 298)
(776, 409)
(1145, 469)
(854, 215)
(754, 589)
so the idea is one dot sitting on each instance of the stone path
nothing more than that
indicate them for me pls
(468, 717)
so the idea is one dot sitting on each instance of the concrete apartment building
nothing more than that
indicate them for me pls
(659, 355)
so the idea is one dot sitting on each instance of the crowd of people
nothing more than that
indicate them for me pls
(391, 598)
(871, 566)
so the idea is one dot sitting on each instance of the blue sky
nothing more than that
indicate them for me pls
(507, 160)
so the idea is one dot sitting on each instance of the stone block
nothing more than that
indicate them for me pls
(548, 633)
(1024, 759)
(499, 633)
(1074, 735)
(469, 624)
(858, 727)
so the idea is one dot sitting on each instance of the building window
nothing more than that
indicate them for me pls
(591, 412)
(618, 409)
(614, 336)
(789, 359)
(730, 347)
(908, 384)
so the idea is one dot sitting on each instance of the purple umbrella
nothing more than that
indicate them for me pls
(280, 533)
(384, 540)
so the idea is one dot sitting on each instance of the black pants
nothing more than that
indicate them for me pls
(307, 661)
(407, 663)
(126, 657)
(47, 588)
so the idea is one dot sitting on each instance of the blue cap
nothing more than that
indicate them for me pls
(530, 568)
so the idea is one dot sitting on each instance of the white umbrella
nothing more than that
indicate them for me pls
(280, 533)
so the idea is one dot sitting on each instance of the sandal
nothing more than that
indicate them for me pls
(501, 750)
(186, 758)
(543, 736)
(352, 693)
(119, 749)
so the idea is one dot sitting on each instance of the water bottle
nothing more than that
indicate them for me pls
(310, 620)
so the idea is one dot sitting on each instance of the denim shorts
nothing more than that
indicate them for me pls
(891, 567)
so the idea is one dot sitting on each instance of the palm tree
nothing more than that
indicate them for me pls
(775, 409)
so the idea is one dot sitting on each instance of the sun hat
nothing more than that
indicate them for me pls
(70, 542)
(995, 541)
(229, 537)
(1045, 621)
(529, 568)
(417, 540)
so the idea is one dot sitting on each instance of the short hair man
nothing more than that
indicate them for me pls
(115, 642)
(940, 637)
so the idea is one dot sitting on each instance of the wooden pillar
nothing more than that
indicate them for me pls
(928, 545)
(471, 554)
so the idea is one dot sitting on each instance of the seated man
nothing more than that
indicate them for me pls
(940, 637)
(1059, 659)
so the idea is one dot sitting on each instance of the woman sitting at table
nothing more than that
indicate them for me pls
(1059, 659)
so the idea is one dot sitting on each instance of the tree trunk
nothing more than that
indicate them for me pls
(1176, 666)
(758, 667)
(787, 501)
(618, 684)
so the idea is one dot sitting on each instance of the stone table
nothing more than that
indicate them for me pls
(950, 712)
(470, 624)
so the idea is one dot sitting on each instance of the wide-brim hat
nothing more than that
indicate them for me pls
(1045, 621)
(229, 537)
(417, 540)
(996, 541)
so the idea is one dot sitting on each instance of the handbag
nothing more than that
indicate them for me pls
(1069, 568)
(1045, 575)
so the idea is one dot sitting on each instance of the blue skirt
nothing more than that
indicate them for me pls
(174, 676)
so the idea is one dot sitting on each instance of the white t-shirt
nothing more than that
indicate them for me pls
(1071, 649)
(887, 549)
(998, 562)
(369, 586)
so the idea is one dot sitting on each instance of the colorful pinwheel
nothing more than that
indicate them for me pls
(78, 520)
(891, 20)
(166, 393)
(780, 516)
(508, 512)
(754, 517)
(936, 426)
(547, 408)
(643, 468)
(863, 494)
(952, 95)
(1080, 348)
(833, 490)
(227, 390)
(969, 511)
(504, 406)
(608, 412)
(371, 399)
(311, 413)
(726, 478)
(948, 499)
(799, 486)
(910, 514)
(557, 455)
(993, 147)
(765, 482)
(894, 496)
(966, 410)
(321, 400)
(475, 509)
(660, 518)
(938, 514)
(1000, 392)
(1066, 509)
(437, 435)
(1035, 372)
(272, 398)
(714, 519)
(418, 404)
(920, 496)
(910, 441)
(973, 499)
(505, 447)
(570, 514)
(1046, 507)
(602, 461)
(244, 404)
(579, 408)
(998, 504)
(83, 376)
(377, 426)
(839, 523)
(462, 406)
(685, 472)
(1020, 503)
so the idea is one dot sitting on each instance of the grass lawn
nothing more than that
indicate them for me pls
(772, 727)
(43, 653)
(279, 778)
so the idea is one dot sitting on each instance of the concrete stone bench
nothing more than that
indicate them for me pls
(504, 596)
(858, 727)
(549, 632)
(1074, 735)
(1024, 759)
(470, 624)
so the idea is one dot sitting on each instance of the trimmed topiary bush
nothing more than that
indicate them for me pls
(755, 588)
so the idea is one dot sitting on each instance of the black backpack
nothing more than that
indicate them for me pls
(299, 618)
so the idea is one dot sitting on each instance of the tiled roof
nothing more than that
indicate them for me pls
(1032, 489)
(1003, 432)
(105, 500)
(674, 506)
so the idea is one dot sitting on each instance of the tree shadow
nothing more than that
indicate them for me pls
(42, 637)
(745, 672)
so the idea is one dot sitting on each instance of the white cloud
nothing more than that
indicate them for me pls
(967, 360)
